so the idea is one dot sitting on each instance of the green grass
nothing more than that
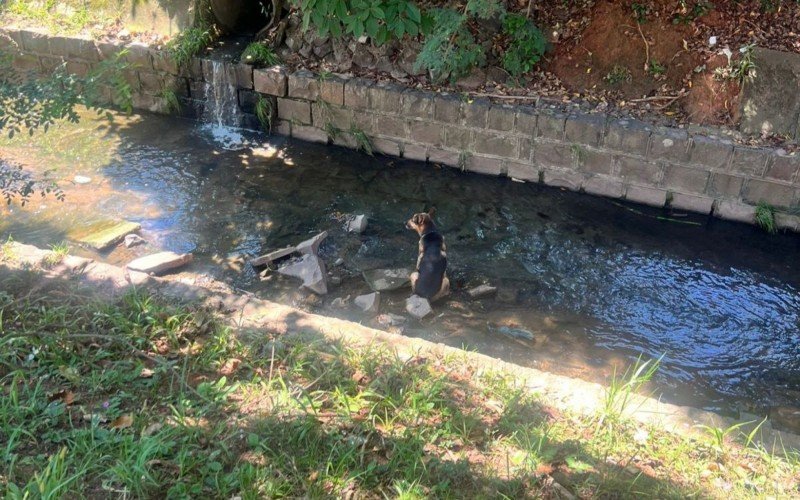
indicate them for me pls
(141, 399)
(765, 217)
(259, 55)
(189, 43)
(617, 75)
(63, 17)
(265, 111)
(57, 253)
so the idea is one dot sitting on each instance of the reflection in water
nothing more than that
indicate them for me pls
(593, 283)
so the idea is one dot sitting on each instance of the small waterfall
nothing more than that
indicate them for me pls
(221, 111)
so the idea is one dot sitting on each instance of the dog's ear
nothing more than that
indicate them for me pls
(432, 211)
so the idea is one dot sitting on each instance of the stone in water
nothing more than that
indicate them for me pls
(133, 239)
(481, 291)
(418, 307)
(382, 280)
(158, 263)
(357, 224)
(369, 303)
(311, 270)
(273, 256)
(311, 246)
(82, 179)
(102, 235)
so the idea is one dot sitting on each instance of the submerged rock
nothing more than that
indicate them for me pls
(311, 270)
(273, 256)
(481, 291)
(357, 224)
(158, 263)
(509, 331)
(82, 179)
(133, 240)
(340, 302)
(369, 303)
(311, 246)
(104, 234)
(417, 306)
(382, 280)
(390, 319)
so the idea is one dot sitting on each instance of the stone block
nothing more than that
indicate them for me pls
(282, 127)
(604, 186)
(444, 157)
(585, 129)
(162, 62)
(386, 146)
(593, 161)
(365, 121)
(331, 89)
(493, 144)
(550, 125)
(77, 68)
(224, 70)
(724, 186)
(26, 63)
(669, 144)
(139, 56)
(522, 171)
(310, 134)
(568, 179)
(177, 84)
(244, 76)
(770, 103)
(425, 132)
(247, 100)
(303, 84)
(385, 97)
(548, 154)
(710, 152)
(151, 83)
(417, 104)
(447, 108)
(526, 149)
(457, 137)
(735, 210)
(526, 121)
(50, 64)
(393, 126)
(323, 116)
(414, 152)
(485, 165)
(33, 40)
(628, 136)
(295, 111)
(107, 50)
(272, 81)
(692, 203)
(779, 195)
(10, 39)
(476, 112)
(783, 167)
(787, 222)
(749, 161)
(199, 89)
(684, 179)
(654, 197)
(501, 117)
(639, 170)
(356, 93)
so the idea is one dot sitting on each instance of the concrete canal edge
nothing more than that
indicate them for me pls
(704, 171)
(252, 316)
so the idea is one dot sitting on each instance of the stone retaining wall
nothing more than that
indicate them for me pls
(537, 142)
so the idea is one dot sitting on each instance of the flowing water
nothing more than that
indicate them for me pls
(595, 283)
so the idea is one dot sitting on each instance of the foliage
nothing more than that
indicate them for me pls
(171, 98)
(259, 55)
(765, 217)
(362, 139)
(640, 12)
(618, 74)
(687, 13)
(450, 50)
(264, 113)
(527, 46)
(189, 43)
(655, 68)
(381, 20)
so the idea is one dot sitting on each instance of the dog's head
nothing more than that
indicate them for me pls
(422, 222)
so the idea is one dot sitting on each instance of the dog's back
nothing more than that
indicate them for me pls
(431, 265)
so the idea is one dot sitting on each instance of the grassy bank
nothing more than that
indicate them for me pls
(144, 399)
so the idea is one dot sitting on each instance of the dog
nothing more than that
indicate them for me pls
(429, 280)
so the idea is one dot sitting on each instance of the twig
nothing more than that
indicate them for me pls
(659, 98)
(501, 96)
(646, 47)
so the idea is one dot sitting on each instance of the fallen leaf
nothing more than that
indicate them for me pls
(146, 373)
(66, 397)
(122, 422)
(152, 429)
(230, 366)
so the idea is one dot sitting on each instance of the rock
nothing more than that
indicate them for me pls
(340, 302)
(82, 179)
(390, 319)
(418, 307)
(358, 224)
(369, 303)
(363, 58)
(133, 240)
(770, 102)
(102, 235)
(786, 417)
(481, 291)
(508, 295)
(497, 75)
(158, 263)
(518, 333)
(311, 270)
(311, 246)
(339, 262)
(382, 280)
(473, 81)
(273, 256)
(335, 280)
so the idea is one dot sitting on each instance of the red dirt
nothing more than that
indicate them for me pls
(711, 100)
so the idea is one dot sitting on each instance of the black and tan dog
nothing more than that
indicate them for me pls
(429, 280)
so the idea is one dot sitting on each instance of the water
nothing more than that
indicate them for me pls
(221, 112)
(595, 283)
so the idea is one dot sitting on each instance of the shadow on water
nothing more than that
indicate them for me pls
(592, 282)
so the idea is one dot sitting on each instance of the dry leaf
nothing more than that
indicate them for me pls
(95, 416)
(66, 397)
(146, 373)
(152, 429)
(230, 366)
(122, 422)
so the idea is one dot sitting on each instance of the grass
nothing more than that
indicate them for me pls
(265, 112)
(57, 253)
(617, 75)
(171, 100)
(259, 55)
(765, 217)
(362, 141)
(189, 43)
(139, 398)
(63, 17)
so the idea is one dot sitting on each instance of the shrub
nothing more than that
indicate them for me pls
(188, 44)
(259, 55)
(527, 44)
(381, 20)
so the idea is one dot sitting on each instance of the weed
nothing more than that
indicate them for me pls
(742, 70)
(655, 68)
(688, 13)
(265, 112)
(170, 97)
(620, 390)
(578, 152)
(188, 44)
(765, 217)
(361, 138)
(259, 55)
(463, 158)
(640, 12)
(57, 253)
(718, 435)
(527, 45)
(617, 75)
